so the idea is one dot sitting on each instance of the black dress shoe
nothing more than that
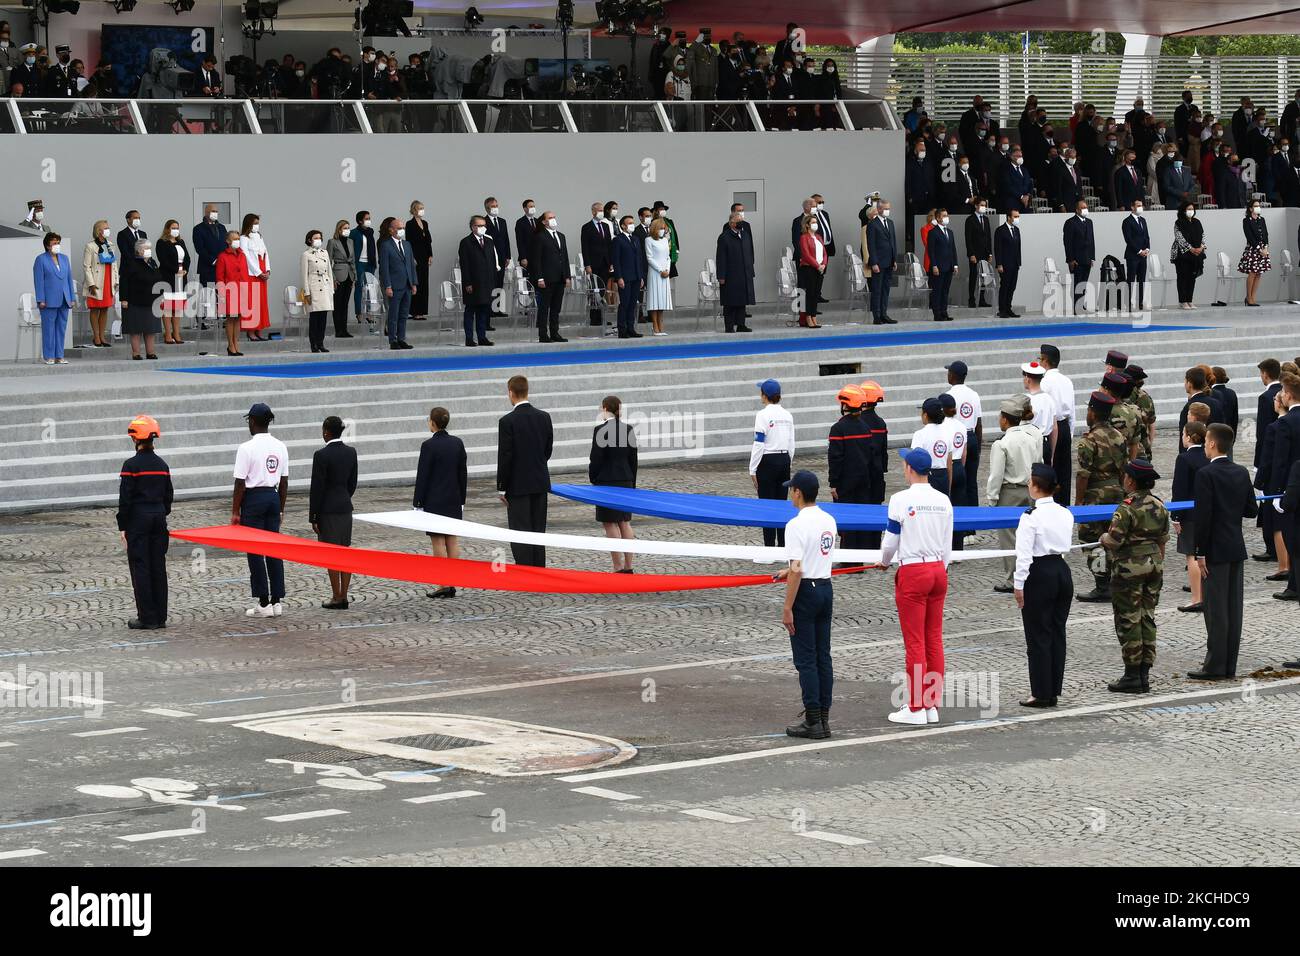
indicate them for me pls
(498, 315)
(1206, 675)
(623, 335)
(1004, 589)
(1038, 702)
(1005, 315)
(544, 339)
(394, 347)
(558, 338)
(1192, 608)
(634, 334)
(322, 349)
(970, 304)
(343, 335)
(943, 318)
(136, 624)
(1263, 557)
(486, 342)
(441, 593)
(334, 605)
(469, 343)
(1187, 588)
(1287, 595)
(489, 327)
(748, 315)
(1279, 576)
(405, 345)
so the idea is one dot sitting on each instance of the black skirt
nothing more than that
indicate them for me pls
(335, 528)
(609, 515)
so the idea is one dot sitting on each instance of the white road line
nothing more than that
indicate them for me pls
(915, 734)
(439, 797)
(7, 743)
(309, 815)
(716, 816)
(951, 861)
(838, 838)
(20, 854)
(607, 794)
(88, 701)
(158, 835)
(111, 730)
(166, 712)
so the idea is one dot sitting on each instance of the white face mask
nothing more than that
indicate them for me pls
(135, 223)
(316, 243)
(401, 234)
(600, 214)
(344, 233)
(740, 213)
(1137, 210)
(1255, 210)
(366, 224)
(821, 207)
(480, 231)
(493, 211)
(965, 167)
(646, 220)
(105, 233)
(552, 225)
(629, 228)
(982, 209)
(1069, 161)
(300, 73)
(212, 216)
(419, 213)
(234, 243)
(1004, 147)
(146, 252)
(38, 215)
(787, 72)
(1019, 160)
(1015, 221)
(255, 228)
(1083, 213)
(1190, 213)
(56, 247)
(943, 221)
(813, 227)
(531, 212)
(920, 154)
(886, 212)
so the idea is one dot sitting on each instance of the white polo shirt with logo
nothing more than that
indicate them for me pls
(937, 440)
(919, 527)
(262, 461)
(969, 409)
(809, 539)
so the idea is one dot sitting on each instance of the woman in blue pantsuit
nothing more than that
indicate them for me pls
(55, 296)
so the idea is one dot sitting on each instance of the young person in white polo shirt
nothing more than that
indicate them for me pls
(934, 437)
(919, 534)
(261, 489)
(1042, 404)
(970, 412)
(809, 538)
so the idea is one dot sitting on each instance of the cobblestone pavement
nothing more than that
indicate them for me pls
(700, 683)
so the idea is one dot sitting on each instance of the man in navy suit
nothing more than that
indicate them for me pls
(1015, 186)
(942, 247)
(1080, 250)
(1128, 182)
(478, 270)
(1286, 452)
(1137, 245)
(882, 246)
(525, 229)
(629, 273)
(1006, 253)
(597, 236)
(397, 279)
(918, 186)
(209, 242)
(500, 236)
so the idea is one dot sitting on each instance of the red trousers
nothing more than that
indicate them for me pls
(919, 590)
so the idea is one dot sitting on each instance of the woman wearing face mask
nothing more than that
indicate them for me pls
(316, 288)
(828, 90)
(253, 246)
(235, 294)
(925, 235)
(344, 269)
(1254, 260)
(100, 273)
(173, 265)
(677, 86)
(812, 268)
(658, 290)
(141, 302)
(1188, 252)
(55, 297)
(417, 234)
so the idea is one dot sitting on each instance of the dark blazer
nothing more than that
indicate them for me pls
(396, 268)
(957, 193)
(1256, 231)
(442, 476)
(209, 240)
(918, 185)
(524, 442)
(1013, 182)
(524, 230)
(333, 480)
(1127, 192)
(1006, 247)
(1077, 235)
(1264, 416)
(547, 260)
(1286, 448)
(1223, 498)
(126, 242)
(734, 261)
(941, 245)
(1228, 399)
(613, 454)
(1136, 236)
(418, 235)
(1186, 466)
(629, 261)
(979, 237)
(499, 233)
(596, 248)
(1205, 398)
(1063, 191)
(1291, 493)
(362, 236)
(478, 269)
(882, 243)
(169, 262)
(138, 283)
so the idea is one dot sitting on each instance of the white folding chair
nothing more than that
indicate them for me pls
(372, 305)
(1225, 277)
(1288, 276)
(1052, 276)
(787, 297)
(1158, 277)
(857, 282)
(709, 293)
(29, 321)
(988, 280)
(711, 267)
(917, 283)
(79, 317)
(294, 311)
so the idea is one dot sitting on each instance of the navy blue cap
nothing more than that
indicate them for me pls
(947, 401)
(261, 410)
(805, 481)
(1040, 470)
(770, 387)
(918, 459)
(958, 368)
(932, 406)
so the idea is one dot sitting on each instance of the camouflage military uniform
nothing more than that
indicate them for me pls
(1126, 419)
(1102, 456)
(1146, 417)
(1140, 526)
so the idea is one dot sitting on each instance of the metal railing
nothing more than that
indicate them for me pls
(267, 117)
(947, 82)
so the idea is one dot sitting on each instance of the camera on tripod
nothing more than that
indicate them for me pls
(165, 79)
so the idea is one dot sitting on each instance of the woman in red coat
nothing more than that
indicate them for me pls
(812, 269)
(234, 291)
(925, 236)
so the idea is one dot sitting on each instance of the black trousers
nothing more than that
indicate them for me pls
(733, 317)
(939, 286)
(1049, 591)
(527, 513)
(1221, 598)
(316, 329)
(1079, 277)
(773, 470)
(880, 283)
(420, 298)
(972, 284)
(342, 295)
(1137, 277)
(810, 284)
(1184, 269)
(1062, 463)
(859, 495)
(971, 498)
(549, 303)
(1007, 288)
(146, 555)
(810, 644)
(955, 493)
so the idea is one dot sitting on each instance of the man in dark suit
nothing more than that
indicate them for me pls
(209, 242)
(1227, 398)
(548, 268)
(796, 224)
(959, 195)
(918, 186)
(1270, 370)
(525, 229)
(1080, 250)
(1224, 497)
(1128, 182)
(1015, 186)
(397, 279)
(1137, 246)
(597, 240)
(499, 234)
(1241, 120)
(734, 260)
(941, 244)
(979, 248)
(208, 82)
(1287, 125)
(1286, 452)
(824, 221)
(882, 246)
(131, 234)
(478, 272)
(524, 441)
(629, 273)
(1006, 253)
(333, 482)
(1182, 116)
(1197, 387)
(1064, 186)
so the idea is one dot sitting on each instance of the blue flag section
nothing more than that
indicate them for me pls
(766, 513)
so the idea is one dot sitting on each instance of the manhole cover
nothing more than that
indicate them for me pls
(435, 742)
(327, 755)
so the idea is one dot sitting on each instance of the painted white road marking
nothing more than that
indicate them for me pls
(166, 712)
(837, 838)
(716, 816)
(158, 835)
(439, 797)
(914, 734)
(951, 861)
(20, 854)
(87, 701)
(309, 815)
(7, 743)
(111, 730)
(607, 794)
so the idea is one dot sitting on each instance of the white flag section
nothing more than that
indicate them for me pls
(437, 524)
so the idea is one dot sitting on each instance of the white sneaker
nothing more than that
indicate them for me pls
(258, 611)
(932, 715)
(49, 361)
(906, 716)
(278, 609)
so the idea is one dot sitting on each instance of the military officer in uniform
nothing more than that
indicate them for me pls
(1123, 417)
(1102, 457)
(1146, 409)
(1136, 541)
(144, 500)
